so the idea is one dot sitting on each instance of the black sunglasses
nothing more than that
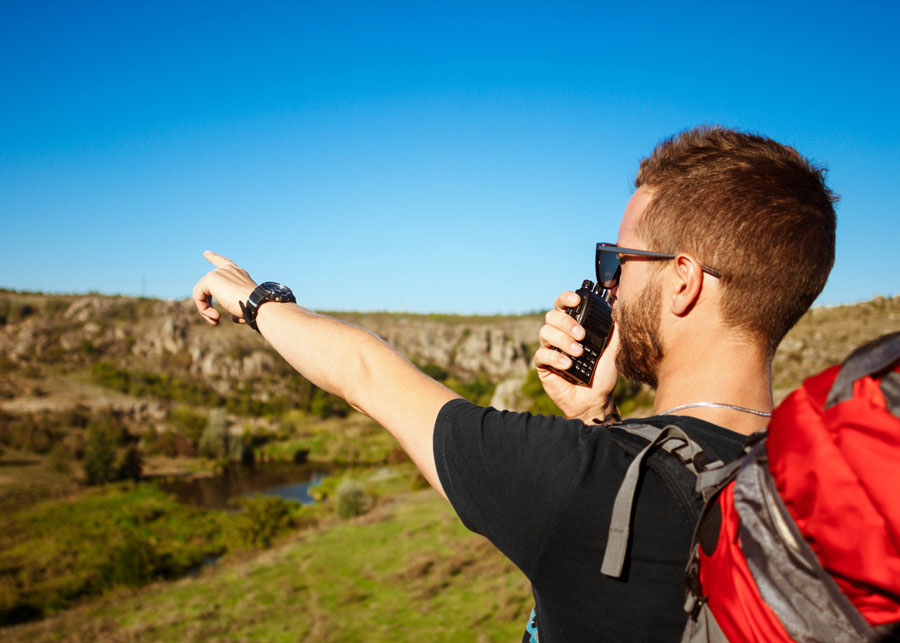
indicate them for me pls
(609, 267)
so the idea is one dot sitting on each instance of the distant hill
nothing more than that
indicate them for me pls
(144, 357)
(826, 335)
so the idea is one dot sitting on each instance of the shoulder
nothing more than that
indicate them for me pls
(510, 476)
(470, 425)
(718, 441)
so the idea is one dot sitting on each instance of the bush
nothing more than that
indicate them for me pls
(419, 482)
(60, 457)
(630, 396)
(99, 458)
(55, 307)
(42, 440)
(161, 443)
(326, 405)
(188, 422)
(435, 372)
(214, 443)
(78, 417)
(480, 390)
(351, 499)
(263, 518)
(540, 401)
(132, 465)
(133, 561)
(63, 550)
(242, 450)
(13, 311)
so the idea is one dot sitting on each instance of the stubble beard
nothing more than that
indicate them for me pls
(640, 347)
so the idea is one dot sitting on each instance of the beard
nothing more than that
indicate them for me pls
(640, 347)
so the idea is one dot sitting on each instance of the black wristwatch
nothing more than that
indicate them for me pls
(267, 291)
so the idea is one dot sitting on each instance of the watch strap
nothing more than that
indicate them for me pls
(260, 295)
(248, 312)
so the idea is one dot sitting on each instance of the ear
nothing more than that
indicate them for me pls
(688, 282)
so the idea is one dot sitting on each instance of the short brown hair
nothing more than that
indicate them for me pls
(753, 209)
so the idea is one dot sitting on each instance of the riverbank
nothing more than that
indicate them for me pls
(405, 570)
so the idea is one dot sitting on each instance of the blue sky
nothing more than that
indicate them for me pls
(422, 156)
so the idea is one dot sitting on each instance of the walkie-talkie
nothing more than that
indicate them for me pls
(594, 313)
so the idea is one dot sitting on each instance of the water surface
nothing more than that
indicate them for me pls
(283, 479)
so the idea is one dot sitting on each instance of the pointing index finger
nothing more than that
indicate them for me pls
(216, 259)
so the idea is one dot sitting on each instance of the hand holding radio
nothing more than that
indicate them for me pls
(576, 360)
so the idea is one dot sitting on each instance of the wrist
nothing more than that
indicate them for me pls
(267, 292)
(266, 314)
(603, 413)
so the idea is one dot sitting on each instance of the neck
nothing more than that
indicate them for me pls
(726, 372)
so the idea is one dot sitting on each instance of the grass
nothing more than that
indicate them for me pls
(355, 439)
(57, 551)
(405, 571)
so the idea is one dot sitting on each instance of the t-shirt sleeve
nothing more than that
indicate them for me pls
(509, 475)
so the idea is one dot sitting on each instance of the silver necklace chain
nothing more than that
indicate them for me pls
(716, 405)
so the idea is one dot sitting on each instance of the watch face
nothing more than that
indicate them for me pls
(276, 288)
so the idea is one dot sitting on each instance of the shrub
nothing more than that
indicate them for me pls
(263, 518)
(60, 458)
(350, 499)
(630, 396)
(540, 401)
(242, 450)
(418, 482)
(480, 390)
(435, 372)
(326, 405)
(41, 440)
(76, 442)
(161, 443)
(88, 347)
(55, 307)
(78, 417)
(12, 311)
(188, 422)
(132, 561)
(99, 458)
(214, 443)
(132, 465)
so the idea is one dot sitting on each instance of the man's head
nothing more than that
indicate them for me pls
(753, 209)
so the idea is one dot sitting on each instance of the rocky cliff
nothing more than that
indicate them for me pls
(44, 339)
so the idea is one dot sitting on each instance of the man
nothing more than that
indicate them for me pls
(748, 229)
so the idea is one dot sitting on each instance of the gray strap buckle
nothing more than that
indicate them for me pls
(671, 439)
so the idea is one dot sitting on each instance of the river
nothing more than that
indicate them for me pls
(283, 479)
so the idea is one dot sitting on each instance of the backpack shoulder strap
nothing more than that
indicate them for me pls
(868, 359)
(670, 439)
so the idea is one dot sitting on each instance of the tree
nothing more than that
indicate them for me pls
(99, 458)
(262, 519)
(132, 465)
(214, 443)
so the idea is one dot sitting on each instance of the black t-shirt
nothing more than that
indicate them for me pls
(541, 488)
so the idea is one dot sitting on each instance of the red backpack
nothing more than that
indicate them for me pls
(800, 539)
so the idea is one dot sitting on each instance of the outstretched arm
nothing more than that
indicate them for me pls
(339, 358)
